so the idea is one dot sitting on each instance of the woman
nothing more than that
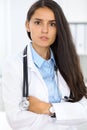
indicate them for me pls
(57, 93)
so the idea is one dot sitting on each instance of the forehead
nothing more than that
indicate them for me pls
(44, 13)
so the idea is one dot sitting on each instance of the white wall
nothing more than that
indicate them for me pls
(75, 10)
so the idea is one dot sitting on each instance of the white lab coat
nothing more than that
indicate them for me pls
(68, 115)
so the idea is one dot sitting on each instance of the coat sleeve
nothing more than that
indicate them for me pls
(71, 113)
(12, 96)
(68, 113)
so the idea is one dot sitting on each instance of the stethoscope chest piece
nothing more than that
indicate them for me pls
(24, 104)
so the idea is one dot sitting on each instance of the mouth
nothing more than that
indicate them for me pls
(44, 38)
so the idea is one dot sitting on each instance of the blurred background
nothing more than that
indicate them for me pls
(13, 36)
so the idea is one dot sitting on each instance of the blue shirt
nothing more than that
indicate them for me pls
(46, 68)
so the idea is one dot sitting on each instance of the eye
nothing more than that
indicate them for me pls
(37, 22)
(53, 24)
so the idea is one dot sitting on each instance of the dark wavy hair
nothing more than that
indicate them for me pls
(67, 60)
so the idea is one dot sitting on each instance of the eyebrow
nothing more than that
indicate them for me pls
(48, 20)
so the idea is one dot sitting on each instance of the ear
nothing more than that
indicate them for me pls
(27, 26)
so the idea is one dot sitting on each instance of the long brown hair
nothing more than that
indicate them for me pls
(67, 60)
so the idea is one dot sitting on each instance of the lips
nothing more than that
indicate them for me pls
(44, 38)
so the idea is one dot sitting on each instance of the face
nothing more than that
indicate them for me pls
(42, 27)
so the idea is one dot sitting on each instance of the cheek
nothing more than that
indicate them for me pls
(31, 31)
(33, 34)
(54, 35)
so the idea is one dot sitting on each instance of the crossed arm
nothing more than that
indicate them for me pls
(38, 106)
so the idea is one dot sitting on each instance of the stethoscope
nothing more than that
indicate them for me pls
(25, 103)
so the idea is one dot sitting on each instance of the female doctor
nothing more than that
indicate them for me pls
(56, 90)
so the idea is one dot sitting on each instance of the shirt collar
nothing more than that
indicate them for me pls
(38, 60)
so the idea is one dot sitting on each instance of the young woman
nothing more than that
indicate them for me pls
(57, 93)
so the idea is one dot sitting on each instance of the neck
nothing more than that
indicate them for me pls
(43, 52)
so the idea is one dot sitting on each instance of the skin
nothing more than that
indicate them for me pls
(42, 28)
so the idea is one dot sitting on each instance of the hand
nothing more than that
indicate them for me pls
(38, 106)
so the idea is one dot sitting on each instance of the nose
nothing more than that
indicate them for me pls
(44, 28)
